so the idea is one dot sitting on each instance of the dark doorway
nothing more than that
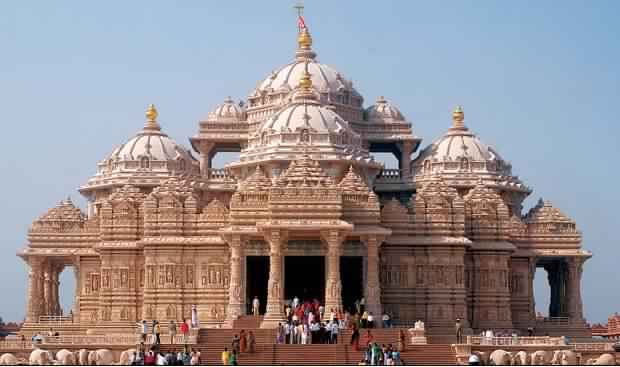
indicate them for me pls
(304, 278)
(257, 279)
(352, 278)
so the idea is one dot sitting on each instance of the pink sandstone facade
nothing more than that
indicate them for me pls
(440, 238)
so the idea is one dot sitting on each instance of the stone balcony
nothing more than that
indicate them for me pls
(393, 180)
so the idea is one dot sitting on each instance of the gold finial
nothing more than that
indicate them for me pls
(151, 113)
(457, 118)
(305, 83)
(304, 40)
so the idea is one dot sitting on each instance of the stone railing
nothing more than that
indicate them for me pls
(389, 176)
(56, 319)
(115, 339)
(515, 340)
(13, 343)
(220, 174)
(552, 320)
(592, 347)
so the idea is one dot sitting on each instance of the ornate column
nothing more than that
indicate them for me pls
(274, 313)
(47, 288)
(78, 287)
(55, 284)
(373, 286)
(575, 305)
(333, 285)
(405, 151)
(235, 300)
(35, 289)
(530, 291)
(205, 158)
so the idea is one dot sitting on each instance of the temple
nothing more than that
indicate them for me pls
(306, 211)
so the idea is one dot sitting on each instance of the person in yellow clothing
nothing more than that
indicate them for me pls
(225, 356)
(157, 333)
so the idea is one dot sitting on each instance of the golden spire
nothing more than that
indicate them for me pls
(305, 83)
(151, 113)
(457, 119)
(151, 118)
(304, 40)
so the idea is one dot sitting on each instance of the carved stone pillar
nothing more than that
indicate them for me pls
(47, 289)
(530, 291)
(274, 313)
(78, 287)
(205, 158)
(35, 290)
(373, 286)
(55, 284)
(405, 151)
(333, 285)
(575, 305)
(235, 299)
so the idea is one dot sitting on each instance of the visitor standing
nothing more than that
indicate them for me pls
(235, 345)
(386, 320)
(232, 360)
(295, 303)
(363, 305)
(459, 331)
(185, 331)
(334, 332)
(225, 357)
(255, 306)
(195, 322)
(144, 329)
(321, 312)
(304, 334)
(355, 338)
(157, 332)
(365, 320)
(251, 342)
(371, 320)
(280, 334)
(402, 341)
(243, 343)
(172, 330)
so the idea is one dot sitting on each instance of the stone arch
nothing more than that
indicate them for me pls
(171, 312)
(145, 162)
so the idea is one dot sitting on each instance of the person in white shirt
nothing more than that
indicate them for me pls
(371, 320)
(304, 334)
(295, 303)
(334, 332)
(255, 305)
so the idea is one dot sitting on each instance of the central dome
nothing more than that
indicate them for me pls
(275, 91)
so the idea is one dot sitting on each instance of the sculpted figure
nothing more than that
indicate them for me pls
(521, 358)
(40, 357)
(101, 357)
(500, 357)
(7, 359)
(65, 357)
(82, 357)
(127, 357)
(605, 360)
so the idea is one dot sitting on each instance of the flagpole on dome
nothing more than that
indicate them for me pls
(300, 16)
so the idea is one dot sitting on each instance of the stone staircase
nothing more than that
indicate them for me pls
(247, 322)
(211, 343)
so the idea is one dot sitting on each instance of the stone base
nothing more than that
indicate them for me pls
(271, 321)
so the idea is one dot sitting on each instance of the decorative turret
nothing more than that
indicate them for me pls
(457, 120)
(151, 119)
(304, 42)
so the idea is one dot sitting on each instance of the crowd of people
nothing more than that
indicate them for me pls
(384, 355)
(155, 357)
(244, 342)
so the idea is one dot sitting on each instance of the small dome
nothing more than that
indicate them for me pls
(306, 115)
(462, 159)
(383, 111)
(148, 158)
(228, 110)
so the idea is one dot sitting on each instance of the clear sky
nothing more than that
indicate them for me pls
(538, 81)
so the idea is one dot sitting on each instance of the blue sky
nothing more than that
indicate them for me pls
(538, 81)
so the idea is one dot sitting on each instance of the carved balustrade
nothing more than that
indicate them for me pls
(390, 176)
(515, 340)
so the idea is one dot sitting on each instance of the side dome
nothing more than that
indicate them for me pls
(463, 160)
(383, 111)
(147, 159)
(227, 111)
